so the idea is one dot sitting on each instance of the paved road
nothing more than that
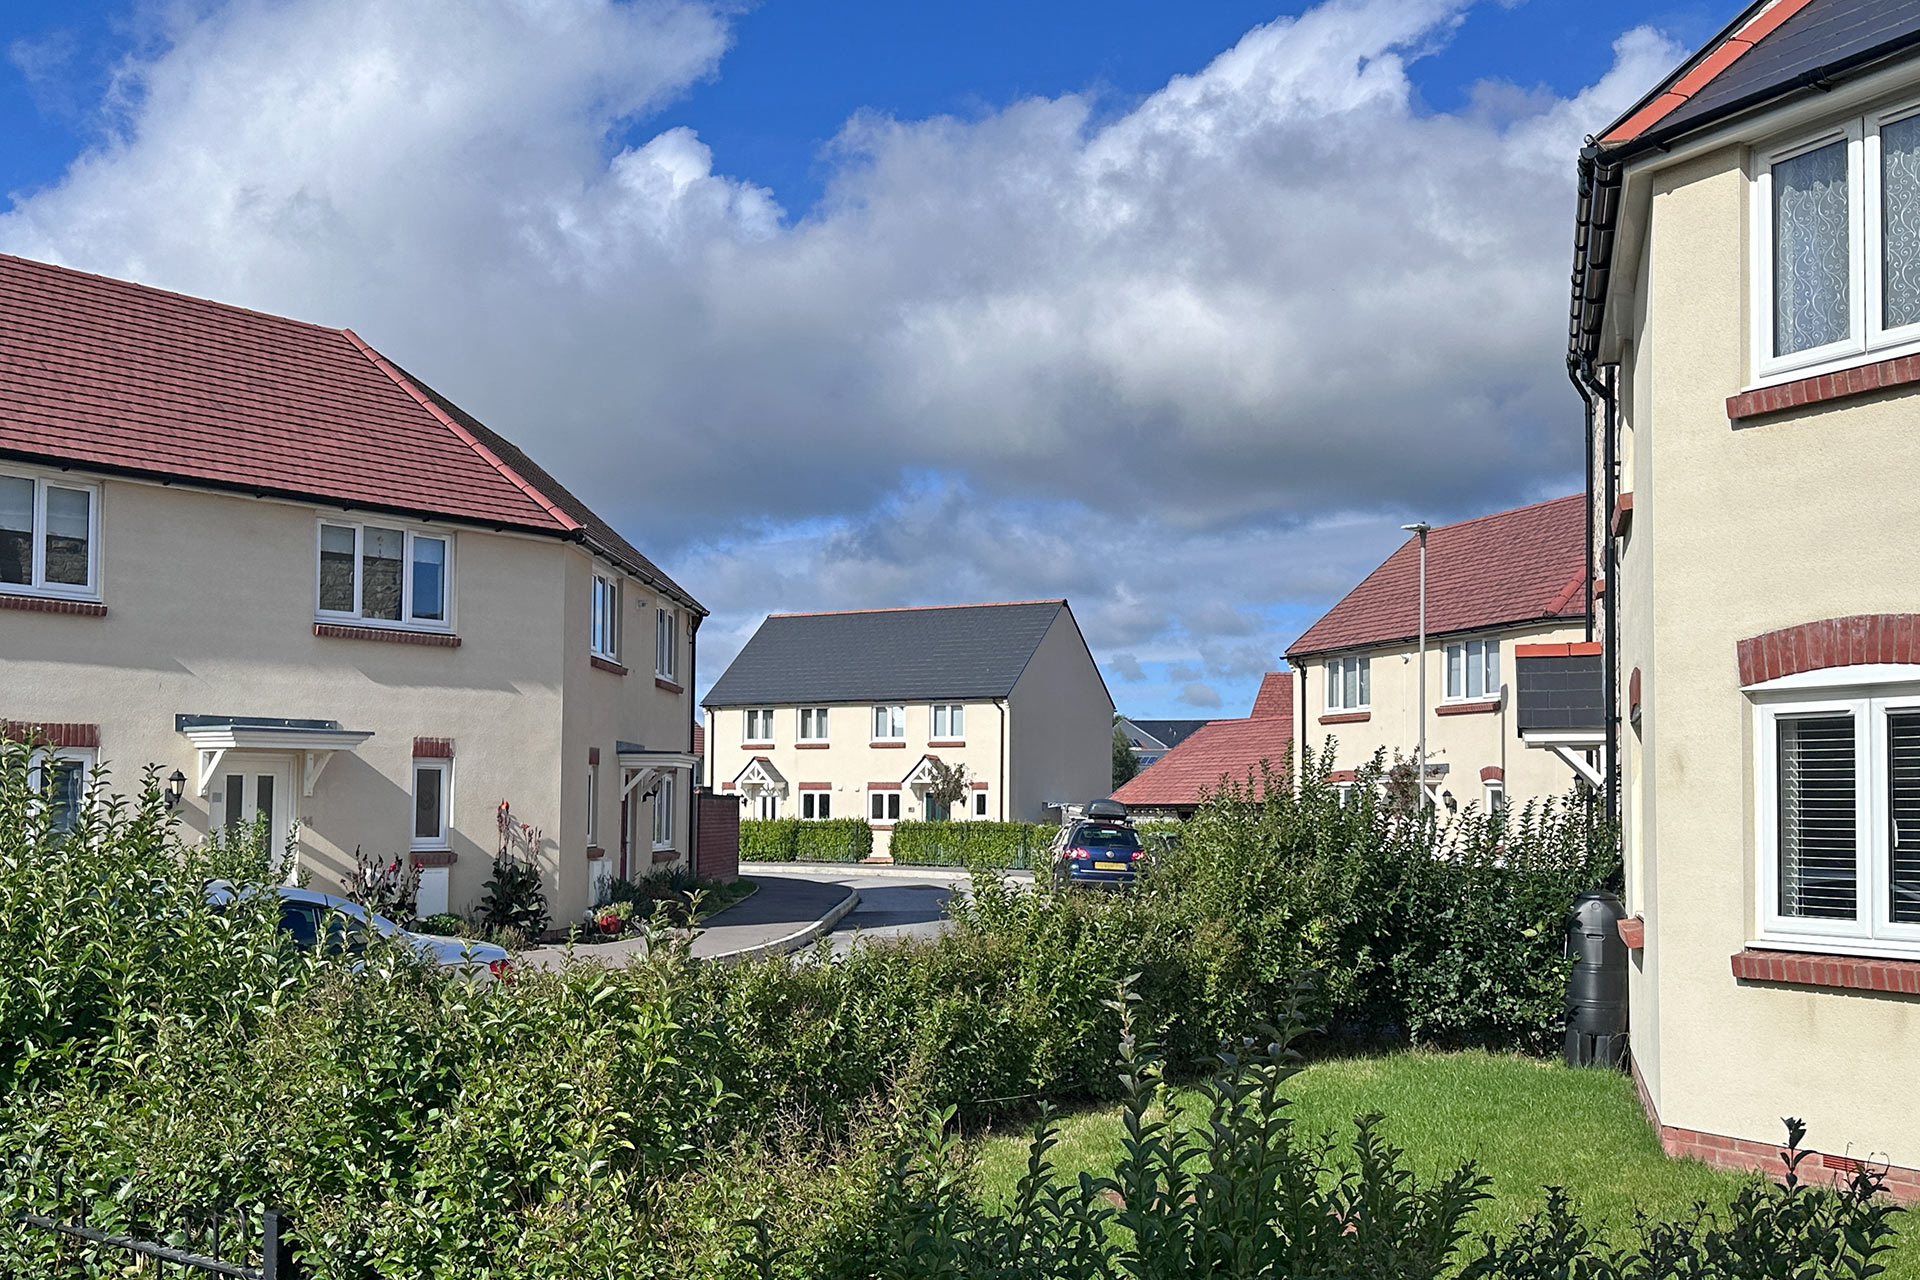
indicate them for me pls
(894, 901)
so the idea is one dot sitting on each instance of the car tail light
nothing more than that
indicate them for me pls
(1137, 853)
(501, 969)
(1079, 855)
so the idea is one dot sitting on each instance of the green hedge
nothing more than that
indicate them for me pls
(957, 844)
(804, 840)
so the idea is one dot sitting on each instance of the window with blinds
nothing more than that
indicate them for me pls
(1903, 816)
(1819, 813)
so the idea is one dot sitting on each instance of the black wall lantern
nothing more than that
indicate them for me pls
(176, 788)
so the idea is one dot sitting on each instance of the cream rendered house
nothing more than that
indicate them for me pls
(1746, 326)
(255, 553)
(1499, 586)
(842, 715)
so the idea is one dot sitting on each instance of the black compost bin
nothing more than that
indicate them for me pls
(1597, 989)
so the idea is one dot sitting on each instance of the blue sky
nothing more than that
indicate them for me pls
(838, 305)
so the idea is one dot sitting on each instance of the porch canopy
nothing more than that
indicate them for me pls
(312, 741)
(645, 769)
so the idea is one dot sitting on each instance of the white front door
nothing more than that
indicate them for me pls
(252, 786)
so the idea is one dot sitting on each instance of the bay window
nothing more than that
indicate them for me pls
(1839, 819)
(1838, 245)
(374, 573)
(49, 535)
(1473, 670)
(1349, 684)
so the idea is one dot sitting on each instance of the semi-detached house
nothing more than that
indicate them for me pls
(1499, 587)
(258, 554)
(843, 715)
(1746, 328)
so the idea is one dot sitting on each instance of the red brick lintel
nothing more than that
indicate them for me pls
(391, 635)
(433, 748)
(1567, 649)
(1884, 375)
(39, 733)
(1862, 639)
(1850, 973)
(53, 604)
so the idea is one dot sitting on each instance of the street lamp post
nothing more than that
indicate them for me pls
(1421, 529)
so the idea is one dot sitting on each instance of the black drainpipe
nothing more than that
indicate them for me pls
(1598, 394)
(693, 791)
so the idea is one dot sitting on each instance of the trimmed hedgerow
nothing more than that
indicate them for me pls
(1021, 845)
(805, 840)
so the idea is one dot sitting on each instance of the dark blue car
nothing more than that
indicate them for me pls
(1098, 851)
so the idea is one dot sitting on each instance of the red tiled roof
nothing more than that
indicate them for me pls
(1275, 697)
(1513, 566)
(1230, 749)
(130, 379)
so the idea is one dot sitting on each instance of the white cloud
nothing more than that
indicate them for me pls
(1200, 695)
(1187, 366)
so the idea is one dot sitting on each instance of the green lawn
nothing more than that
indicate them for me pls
(1527, 1124)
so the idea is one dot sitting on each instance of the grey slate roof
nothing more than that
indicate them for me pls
(949, 651)
(1167, 733)
(1825, 33)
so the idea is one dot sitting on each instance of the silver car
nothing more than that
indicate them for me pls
(316, 920)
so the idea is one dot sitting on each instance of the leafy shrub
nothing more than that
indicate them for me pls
(805, 840)
(385, 886)
(1020, 845)
(514, 904)
(447, 925)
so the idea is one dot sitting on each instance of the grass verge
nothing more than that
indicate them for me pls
(1527, 1124)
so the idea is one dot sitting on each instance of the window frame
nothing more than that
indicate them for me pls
(663, 814)
(593, 804)
(88, 758)
(1868, 339)
(37, 584)
(890, 811)
(1336, 685)
(1493, 797)
(666, 643)
(821, 804)
(1489, 667)
(766, 806)
(1866, 697)
(819, 720)
(443, 841)
(407, 621)
(604, 588)
(956, 720)
(748, 716)
(893, 710)
(982, 808)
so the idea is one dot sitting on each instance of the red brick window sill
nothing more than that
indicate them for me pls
(661, 682)
(1807, 969)
(53, 604)
(595, 853)
(810, 746)
(949, 742)
(434, 858)
(888, 746)
(602, 664)
(1467, 708)
(1347, 717)
(389, 635)
(1884, 375)
(666, 855)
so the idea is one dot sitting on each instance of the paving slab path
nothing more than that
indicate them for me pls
(785, 913)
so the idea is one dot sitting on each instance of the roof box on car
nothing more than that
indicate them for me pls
(1111, 810)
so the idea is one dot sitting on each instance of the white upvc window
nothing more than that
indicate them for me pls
(603, 631)
(432, 800)
(1495, 797)
(593, 804)
(663, 815)
(1838, 817)
(1837, 245)
(883, 806)
(980, 804)
(949, 721)
(759, 726)
(813, 724)
(1473, 670)
(890, 723)
(383, 575)
(1349, 684)
(666, 643)
(816, 804)
(59, 776)
(49, 536)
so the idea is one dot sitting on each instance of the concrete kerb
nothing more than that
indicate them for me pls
(793, 941)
